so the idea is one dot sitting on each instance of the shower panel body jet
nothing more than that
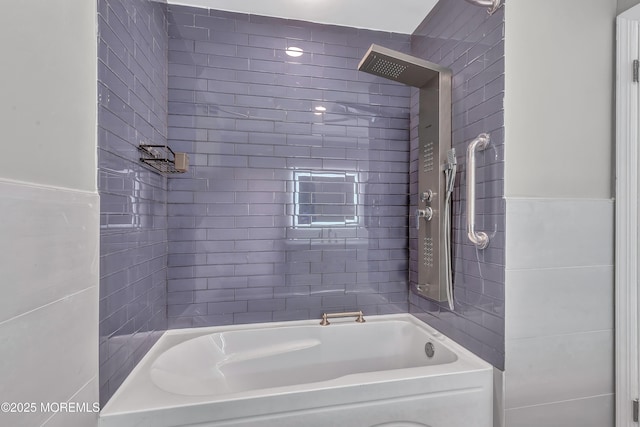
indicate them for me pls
(434, 142)
(434, 136)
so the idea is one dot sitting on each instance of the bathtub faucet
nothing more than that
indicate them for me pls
(357, 314)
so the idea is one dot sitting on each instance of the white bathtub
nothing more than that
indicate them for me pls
(295, 374)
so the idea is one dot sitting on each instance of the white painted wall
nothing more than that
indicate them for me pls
(626, 4)
(48, 82)
(559, 98)
(50, 210)
(559, 340)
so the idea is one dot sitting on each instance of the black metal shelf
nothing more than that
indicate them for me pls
(159, 157)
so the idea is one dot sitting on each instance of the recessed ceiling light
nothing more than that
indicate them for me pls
(321, 108)
(294, 51)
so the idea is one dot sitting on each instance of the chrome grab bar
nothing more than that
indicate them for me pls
(478, 238)
(357, 314)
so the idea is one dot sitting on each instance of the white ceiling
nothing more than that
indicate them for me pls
(400, 16)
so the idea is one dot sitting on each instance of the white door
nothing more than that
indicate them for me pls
(627, 208)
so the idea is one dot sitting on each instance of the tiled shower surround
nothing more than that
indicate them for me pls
(470, 42)
(132, 91)
(296, 202)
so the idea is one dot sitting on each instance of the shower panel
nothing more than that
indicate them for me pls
(432, 217)
(434, 142)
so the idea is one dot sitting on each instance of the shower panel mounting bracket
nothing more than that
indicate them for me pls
(491, 5)
(434, 141)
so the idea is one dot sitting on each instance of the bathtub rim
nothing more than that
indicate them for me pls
(467, 361)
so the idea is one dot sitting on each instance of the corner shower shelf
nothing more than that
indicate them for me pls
(163, 159)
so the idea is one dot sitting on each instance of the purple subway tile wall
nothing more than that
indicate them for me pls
(132, 93)
(297, 198)
(471, 42)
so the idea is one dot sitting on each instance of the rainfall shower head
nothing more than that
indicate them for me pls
(400, 67)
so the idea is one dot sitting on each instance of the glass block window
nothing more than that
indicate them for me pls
(324, 198)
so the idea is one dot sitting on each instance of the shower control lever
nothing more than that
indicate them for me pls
(426, 213)
(426, 196)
